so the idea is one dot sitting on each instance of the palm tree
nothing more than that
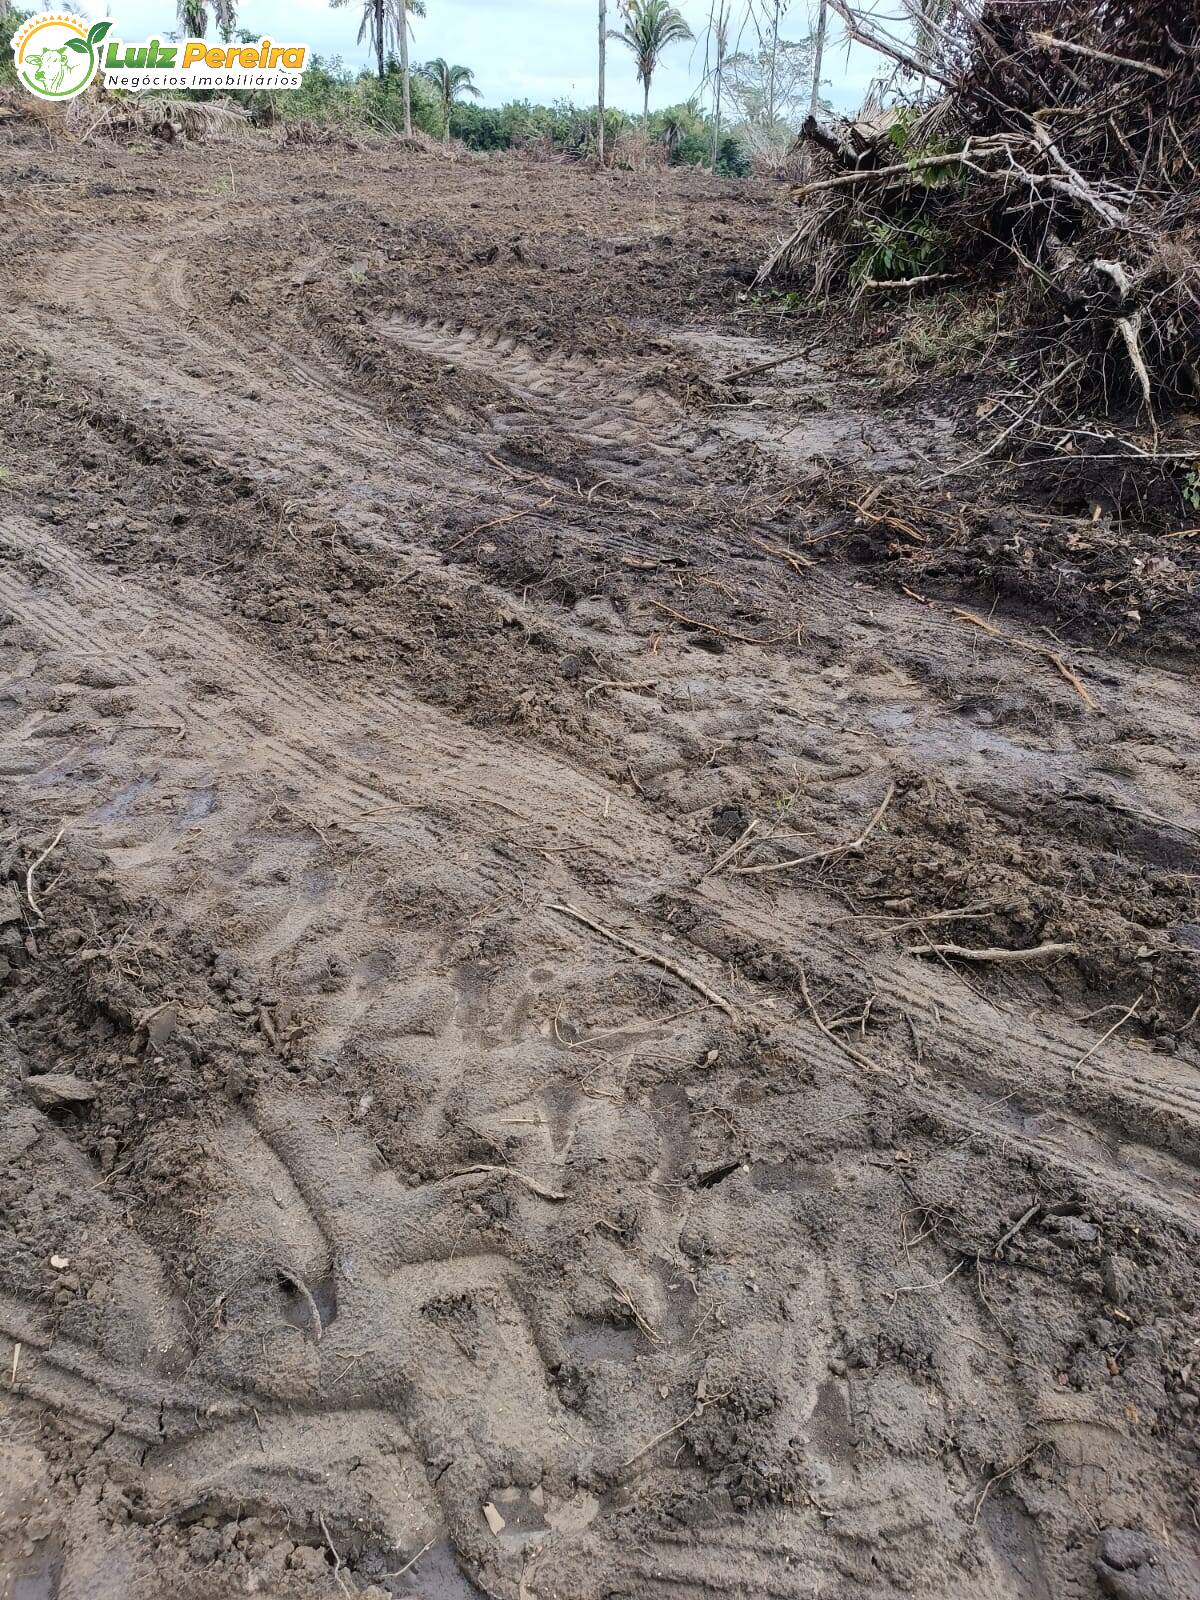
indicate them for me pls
(193, 17)
(383, 22)
(448, 83)
(650, 26)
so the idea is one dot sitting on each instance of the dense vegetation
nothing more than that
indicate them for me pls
(337, 96)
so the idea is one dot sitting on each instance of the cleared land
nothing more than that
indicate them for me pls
(488, 842)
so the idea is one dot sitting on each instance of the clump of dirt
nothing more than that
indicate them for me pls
(948, 870)
(1107, 578)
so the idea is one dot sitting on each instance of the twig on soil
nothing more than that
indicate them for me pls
(517, 477)
(337, 1560)
(1052, 656)
(302, 1289)
(659, 1437)
(1037, 952)
(766, 366)
(847, 1049)
(1105, 1037)
(500, 522)
(399, 1573)
(797, 563)
(834, 849)
(512, 1172)
(1011, 1233)
(33, 905)
(1007, 1473)
(922, 1288)
(734, 849)
(624, 1298)
(708, 627)
(653, 956)
(618, 683)
(12, 1382)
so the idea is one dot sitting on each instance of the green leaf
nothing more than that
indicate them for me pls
(78, 46)
(97, 31)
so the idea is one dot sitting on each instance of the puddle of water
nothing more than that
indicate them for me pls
(123, 801)
(604, 1341)
(790, 1177)
(965, 743)
(559, 1101)
(524, 1517)
(295, 1308)
(830, 1427)
(200, 804)
(436, 1576)
(35, 1576)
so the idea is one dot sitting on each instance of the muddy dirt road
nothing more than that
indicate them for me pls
(559, 1037)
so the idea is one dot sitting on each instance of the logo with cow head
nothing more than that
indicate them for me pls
(57, 54)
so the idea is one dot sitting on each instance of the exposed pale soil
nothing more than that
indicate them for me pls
(385, 566)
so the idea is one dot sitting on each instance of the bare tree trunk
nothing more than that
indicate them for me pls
(771, 72)
(600, 113)
(818, 52)
(806, 156)
(379, 36)
(404, 69)
(446, 126)
(722, 33)
(646, 105)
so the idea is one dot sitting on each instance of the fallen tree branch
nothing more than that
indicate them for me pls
(1037, 952)
(653, 956)
(833, 850)
(512, 1172)
(1049, 42)
(847, 1049)
(885, 46)
(869, 174)
(1105, 1037)
(907, 283)
(33, 905)
(1130, 328)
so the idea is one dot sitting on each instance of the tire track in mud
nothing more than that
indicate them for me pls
(1165, 1105)
(730, 1161)
(602, 821)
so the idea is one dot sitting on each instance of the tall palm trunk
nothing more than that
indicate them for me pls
(815, 97)
(600, 112)
(446, 125)
(379, 36)
(404, 72)
(771, 74)
(818, 52)
(722, 32)
(646, 102)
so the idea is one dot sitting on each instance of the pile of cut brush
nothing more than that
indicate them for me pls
(1054, 151)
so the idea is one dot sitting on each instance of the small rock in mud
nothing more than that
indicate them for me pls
(1119, 1278)
(59, 1091)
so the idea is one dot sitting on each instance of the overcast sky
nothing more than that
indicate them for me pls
(518, 49)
